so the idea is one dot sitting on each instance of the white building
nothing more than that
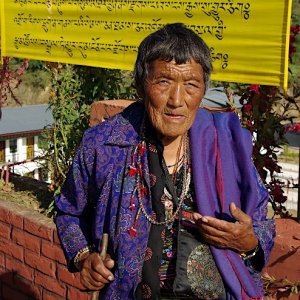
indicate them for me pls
(20, 128)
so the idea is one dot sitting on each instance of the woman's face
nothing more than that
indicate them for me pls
(172, 96)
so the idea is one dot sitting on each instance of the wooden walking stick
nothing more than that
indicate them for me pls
(95, 295)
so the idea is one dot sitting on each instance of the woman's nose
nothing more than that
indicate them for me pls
(176, 96)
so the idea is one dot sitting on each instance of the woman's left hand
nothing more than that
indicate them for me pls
(238, 235)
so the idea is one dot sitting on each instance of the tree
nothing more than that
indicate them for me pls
(10, 79)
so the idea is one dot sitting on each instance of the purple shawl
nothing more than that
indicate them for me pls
(222, 167)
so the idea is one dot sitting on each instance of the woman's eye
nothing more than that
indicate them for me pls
(192, 84)
(163, 82)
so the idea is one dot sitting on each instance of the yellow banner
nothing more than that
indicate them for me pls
(248, 39)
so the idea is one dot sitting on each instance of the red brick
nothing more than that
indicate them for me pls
(73, 293)
(27, 287)
(10, 217)
(11, 249)
(101, 110)
(50, 296)
(5, 230)
(50, 284)
(53, 251)
(56, 238)
(40, 263)
(72, 279)
(11, 293)
(38, 229)
(19, 268)
(26, 240)
(2, 262)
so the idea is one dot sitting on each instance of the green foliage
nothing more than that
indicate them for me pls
(33, 65)
(294, 66)
(36, 65)
(279, 288)
(38, 79)
(70, 113)
(103, 84)
(37, 75)
(73, 90)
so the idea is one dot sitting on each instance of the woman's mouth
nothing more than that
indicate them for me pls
(174, 117)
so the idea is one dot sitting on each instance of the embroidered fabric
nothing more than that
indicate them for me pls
(196, 271)
(168, 247)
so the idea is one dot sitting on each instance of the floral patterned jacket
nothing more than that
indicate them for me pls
(96, 197)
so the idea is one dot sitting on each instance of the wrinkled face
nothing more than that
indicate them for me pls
(172, 96)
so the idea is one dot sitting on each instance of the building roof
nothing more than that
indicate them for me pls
(25, 119)
(216, 97)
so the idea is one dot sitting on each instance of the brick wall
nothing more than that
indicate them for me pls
(32, 264)
(102, 110)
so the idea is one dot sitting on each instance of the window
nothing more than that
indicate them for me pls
(13, 148)
(30, 147)
(2, 151)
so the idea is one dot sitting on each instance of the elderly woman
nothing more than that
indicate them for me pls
(173, 186)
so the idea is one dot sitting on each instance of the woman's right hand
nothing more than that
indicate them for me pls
(95, 272)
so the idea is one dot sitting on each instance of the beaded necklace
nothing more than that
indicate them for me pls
(186, 183)
(182, 140)
(135, 169)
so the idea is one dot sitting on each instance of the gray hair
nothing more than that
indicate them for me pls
(171, 42)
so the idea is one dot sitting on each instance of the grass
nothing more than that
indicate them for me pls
(27, 192)
(289, 154)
